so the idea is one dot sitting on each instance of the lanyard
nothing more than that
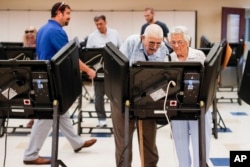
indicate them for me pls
(146, 57)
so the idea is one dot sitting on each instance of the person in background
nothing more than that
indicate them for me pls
(29, 37)
(186, 130)
(146, 47)
(50, 39)
(149, 15)
(29, 40)
(98, 39)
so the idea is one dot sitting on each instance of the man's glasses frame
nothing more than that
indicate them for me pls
(152, 44)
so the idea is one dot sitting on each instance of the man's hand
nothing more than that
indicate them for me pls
(91, 73)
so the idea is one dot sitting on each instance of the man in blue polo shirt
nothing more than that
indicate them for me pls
(50, 39)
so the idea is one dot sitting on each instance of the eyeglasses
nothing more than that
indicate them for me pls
(29, 31)
(177, 42)
(60, 6)
(152, 44)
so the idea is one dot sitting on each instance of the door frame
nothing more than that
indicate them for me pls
(238, 11)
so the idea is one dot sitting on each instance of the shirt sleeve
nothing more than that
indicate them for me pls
(89, 42)
(126, 48)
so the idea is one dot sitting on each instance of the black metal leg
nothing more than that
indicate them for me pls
(221, 120)
(2, 127)
(215, 118)
(54, 158)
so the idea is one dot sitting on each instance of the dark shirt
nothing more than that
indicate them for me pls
(161, 24)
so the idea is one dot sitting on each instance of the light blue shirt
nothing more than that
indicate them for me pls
(134, 50)
(99, 40)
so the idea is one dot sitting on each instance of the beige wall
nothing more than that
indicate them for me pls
(209, 11)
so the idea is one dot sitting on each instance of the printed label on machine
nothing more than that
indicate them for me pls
(157, 94)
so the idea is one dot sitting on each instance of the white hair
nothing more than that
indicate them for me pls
(153, 30)
(180, 30)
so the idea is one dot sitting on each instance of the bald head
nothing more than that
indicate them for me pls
(153, 30)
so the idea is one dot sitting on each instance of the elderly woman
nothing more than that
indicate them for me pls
(185, 132)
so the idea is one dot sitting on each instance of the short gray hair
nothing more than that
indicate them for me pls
(99, 17)
(180, 30)
(153, 30)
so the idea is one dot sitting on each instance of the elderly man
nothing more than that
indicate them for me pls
(148, 47)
